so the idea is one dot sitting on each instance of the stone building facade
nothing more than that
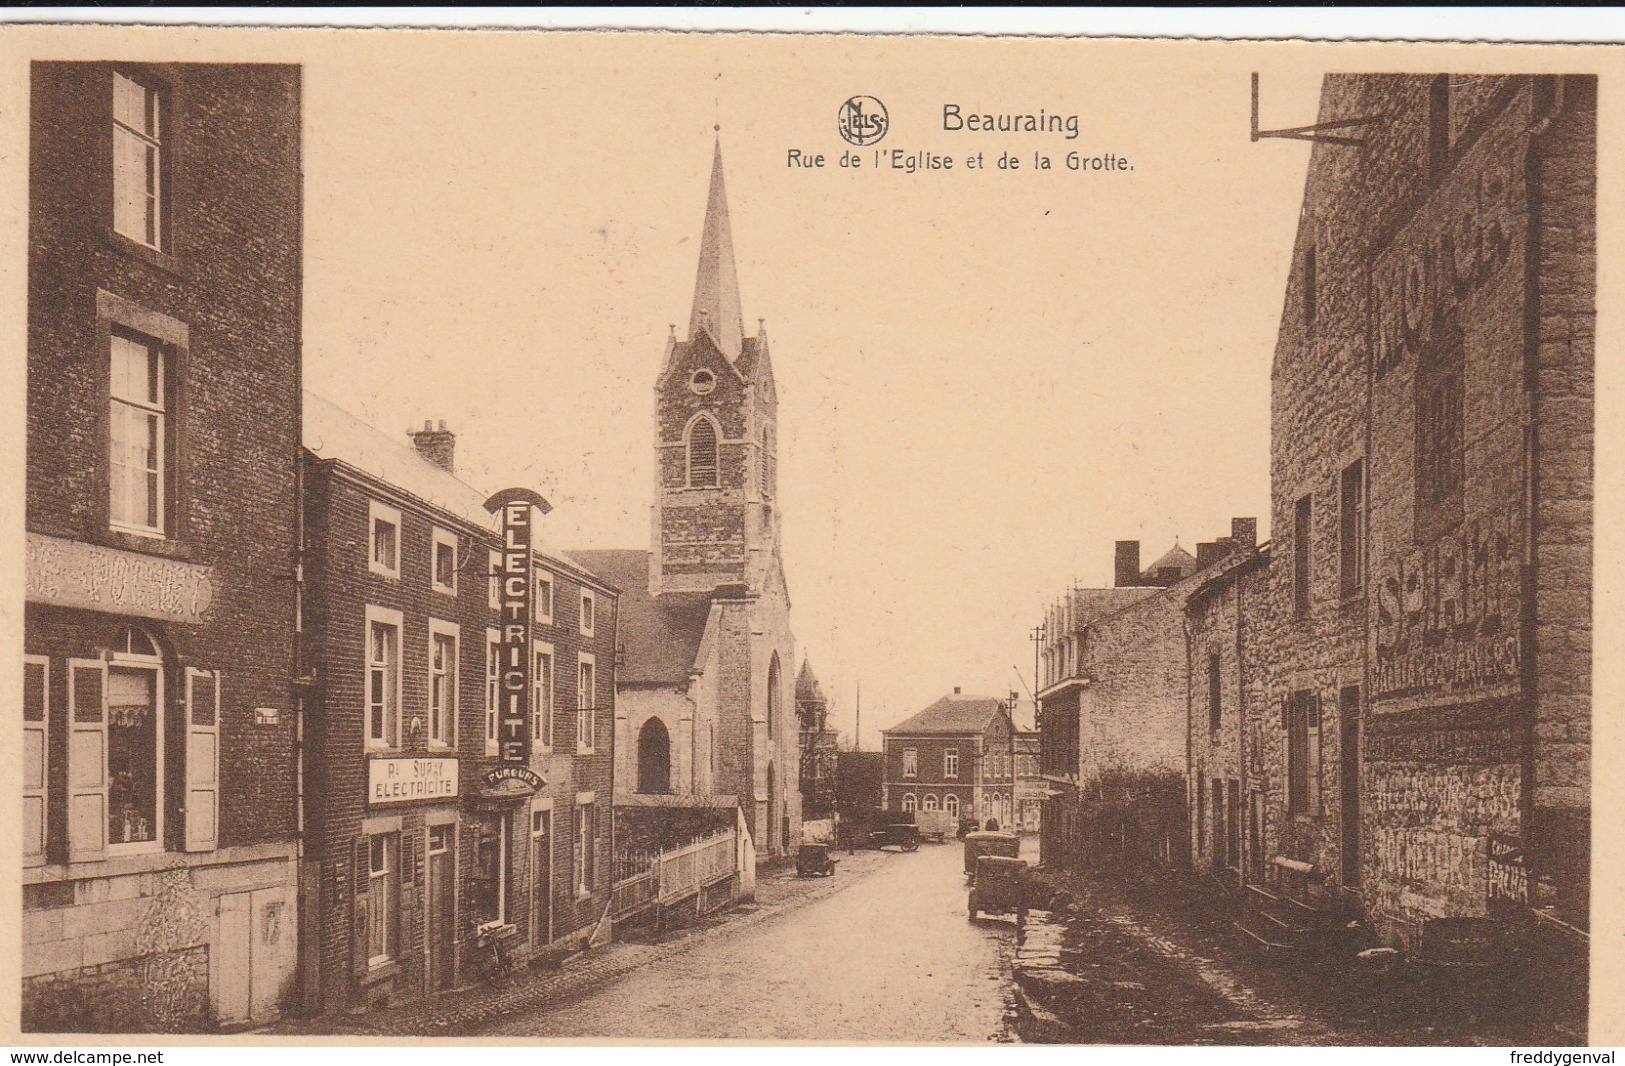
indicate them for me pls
(1114, 691)
(1416, 653)
(160, 827)
(706, 692)
(416, 839)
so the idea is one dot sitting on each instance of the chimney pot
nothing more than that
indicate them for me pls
(437, 446)
(956, 690)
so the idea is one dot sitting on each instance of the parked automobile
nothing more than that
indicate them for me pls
(934, 825)
(979, 844)
(1000, 887)
(814, 860)
(903, 835)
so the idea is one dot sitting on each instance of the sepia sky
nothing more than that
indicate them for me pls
(985, 376)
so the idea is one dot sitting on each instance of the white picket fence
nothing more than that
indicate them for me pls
(675, 874)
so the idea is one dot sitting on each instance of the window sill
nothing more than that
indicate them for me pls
(146, 544)
(378, 571)
(146, 254)
(380, 971)
(445, 590)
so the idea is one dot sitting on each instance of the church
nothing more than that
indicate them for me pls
(705, 709)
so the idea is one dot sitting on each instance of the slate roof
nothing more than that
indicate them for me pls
(951, 714)
(661, 634)
(330, 432)
(1176, 558)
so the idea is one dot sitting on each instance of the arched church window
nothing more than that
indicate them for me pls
(702, 454)
(654, 758)
(773, 700)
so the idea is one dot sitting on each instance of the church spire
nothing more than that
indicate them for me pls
(716, 286)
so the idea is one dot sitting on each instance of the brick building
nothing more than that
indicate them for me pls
(957, 755)
(1423, 661)
(414, 840)
(706, 693)
(1030, 789)
(159, 820)
(1114, 692)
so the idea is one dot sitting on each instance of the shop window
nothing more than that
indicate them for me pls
(489, 885)
(135, 733)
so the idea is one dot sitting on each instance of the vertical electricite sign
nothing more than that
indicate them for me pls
(515, 587)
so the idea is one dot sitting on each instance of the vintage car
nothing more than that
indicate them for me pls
(902, 835)
(1000, 887)
(814, 860)
(979, 844)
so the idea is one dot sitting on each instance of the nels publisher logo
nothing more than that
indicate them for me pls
(862, 120)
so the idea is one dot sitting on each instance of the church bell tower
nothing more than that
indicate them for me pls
(715, 519)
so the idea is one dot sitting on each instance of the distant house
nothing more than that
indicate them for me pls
(957, 755)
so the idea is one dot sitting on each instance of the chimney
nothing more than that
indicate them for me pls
(1128, 563)
(435, 445)
(956, 690)
(1244, 533)
(1207, 553)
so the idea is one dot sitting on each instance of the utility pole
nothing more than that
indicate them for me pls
(857, 728)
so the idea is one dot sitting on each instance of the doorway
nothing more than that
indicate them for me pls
(541, 878)
(1348, 758)
(441, 917)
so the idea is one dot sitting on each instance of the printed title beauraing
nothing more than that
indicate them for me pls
(956, 118)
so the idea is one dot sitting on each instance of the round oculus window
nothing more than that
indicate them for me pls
(702, 381)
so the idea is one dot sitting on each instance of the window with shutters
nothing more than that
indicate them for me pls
(383, 896)
(702, 454)
(36, 745)
(135, 755)
(138, 435)
(139, 161)
(586, 703)
(202, 810)
(383, 691)
(442, 684)
(541, 688)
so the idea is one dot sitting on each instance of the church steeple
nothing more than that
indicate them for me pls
(716, 285)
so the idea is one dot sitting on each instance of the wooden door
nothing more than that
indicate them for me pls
(541, 878)
(440, 915)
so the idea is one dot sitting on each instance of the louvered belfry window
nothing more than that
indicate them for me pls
(702, 455)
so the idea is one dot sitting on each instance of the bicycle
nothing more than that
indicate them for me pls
(491, 939)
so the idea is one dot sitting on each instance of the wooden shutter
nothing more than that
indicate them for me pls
(202, 759)
(361, 951)
(36, 745)
(87, 759)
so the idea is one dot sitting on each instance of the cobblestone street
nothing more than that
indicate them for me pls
(889, 957)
